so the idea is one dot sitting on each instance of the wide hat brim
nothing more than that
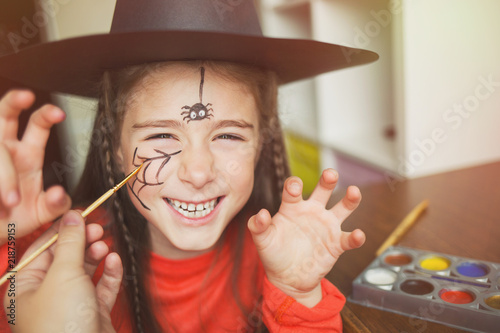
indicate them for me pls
(75, 65)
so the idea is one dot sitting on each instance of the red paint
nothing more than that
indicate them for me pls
(456, 296)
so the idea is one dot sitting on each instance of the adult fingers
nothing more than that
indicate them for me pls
(323, 190)
(96, 249)
(94, 255)
(11, 105)
(348, 204)
(41, 121)
(108, 286)
(33, 274)
(94, 232)
(9, 191)
(70, 247)
(292, 190)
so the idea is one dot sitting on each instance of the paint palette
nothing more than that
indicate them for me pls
(429, 286)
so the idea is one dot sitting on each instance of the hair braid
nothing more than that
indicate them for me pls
(119, 222)
(130, 264)
(279, 155)
(134, 264)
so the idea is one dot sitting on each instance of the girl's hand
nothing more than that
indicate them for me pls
(22, 198)
(55, 293)
(301, 243)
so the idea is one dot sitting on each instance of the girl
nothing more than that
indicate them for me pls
(207, 241)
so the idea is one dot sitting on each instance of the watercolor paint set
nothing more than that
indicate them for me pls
(455, 291)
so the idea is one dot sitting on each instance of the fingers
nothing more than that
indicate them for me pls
(108, 286)
(292, 190)
(93, 233)
(348, 204)
(70, 247)
(323, 190)
(11, 106)
(94, 255)
(41, 121)
(96, 250)
(352, 240)
(259, 222)
(259, 228)
(53, 203)
(9, 191)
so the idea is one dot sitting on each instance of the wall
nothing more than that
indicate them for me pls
(452, 84)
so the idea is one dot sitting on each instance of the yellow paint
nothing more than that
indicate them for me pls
(435, 263)
(493, 301)
(304, 159)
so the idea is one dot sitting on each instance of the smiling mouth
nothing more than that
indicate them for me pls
(194, 210)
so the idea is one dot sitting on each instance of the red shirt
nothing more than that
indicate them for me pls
(190, 300)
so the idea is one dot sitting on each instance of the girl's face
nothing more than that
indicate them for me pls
(198, 170)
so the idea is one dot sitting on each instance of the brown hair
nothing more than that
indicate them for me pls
(128, 227)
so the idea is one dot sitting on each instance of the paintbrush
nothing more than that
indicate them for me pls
(403, 227)
(51, 241)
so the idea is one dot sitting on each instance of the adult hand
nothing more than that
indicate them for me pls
(55, 292)
(22, 198)
(300, 244)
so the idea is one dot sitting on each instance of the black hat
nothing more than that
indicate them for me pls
(160, 30)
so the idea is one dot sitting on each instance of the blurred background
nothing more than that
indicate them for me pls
(430, 104)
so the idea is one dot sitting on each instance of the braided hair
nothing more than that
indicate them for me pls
(129, 229)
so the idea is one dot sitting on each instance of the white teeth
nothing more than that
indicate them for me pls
(192, 210)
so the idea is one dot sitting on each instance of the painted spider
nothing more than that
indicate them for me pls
(147, 162)
(199, 110)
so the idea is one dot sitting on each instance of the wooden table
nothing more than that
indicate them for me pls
(463, 219)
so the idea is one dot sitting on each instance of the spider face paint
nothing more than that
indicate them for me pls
(199, 110)
(146, 176)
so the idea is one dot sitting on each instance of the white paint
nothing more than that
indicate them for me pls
(380, 276)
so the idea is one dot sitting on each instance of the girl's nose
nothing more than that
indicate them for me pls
(197, 167)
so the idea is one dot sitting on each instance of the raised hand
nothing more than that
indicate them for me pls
(55, 292)
(300, 244)
(22, 198)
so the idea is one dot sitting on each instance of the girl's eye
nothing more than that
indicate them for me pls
(161, 136)
(229, 137)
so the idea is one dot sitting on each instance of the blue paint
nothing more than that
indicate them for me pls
(472, 269)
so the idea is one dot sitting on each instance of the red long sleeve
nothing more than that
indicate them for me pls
(281, 313)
